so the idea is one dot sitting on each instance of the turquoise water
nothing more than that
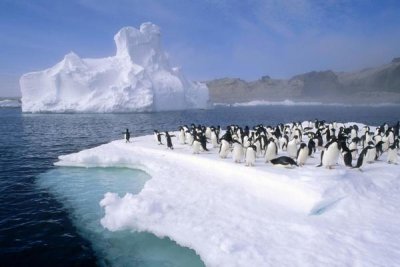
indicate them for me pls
(81, 189)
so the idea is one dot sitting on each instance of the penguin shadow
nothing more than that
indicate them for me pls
(324, 206)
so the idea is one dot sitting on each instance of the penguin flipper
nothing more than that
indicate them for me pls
(322, 155)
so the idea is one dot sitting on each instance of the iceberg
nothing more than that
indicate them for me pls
(138, 78)
(233, 215)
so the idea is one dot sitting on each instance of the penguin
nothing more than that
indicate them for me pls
(392, 153)
(271, 151)
(208, 132)
(251, 155)
(283, 141)
(370, 153)
(292, 147)
(169, 141)
(284, 161)
(379, 149)
(237, 152)
(196, 145)
(181, 136)
(189, 136)
(127, 136)
(157, 136)
(214, 138)
(361, 158)
(346, 154)
(302, 154)
(330, 155)
(203, 142)
(353, 147)
(224, 149)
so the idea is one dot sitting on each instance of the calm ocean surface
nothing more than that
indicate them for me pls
(50, 216)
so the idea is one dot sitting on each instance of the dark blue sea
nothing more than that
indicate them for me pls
(50, 216)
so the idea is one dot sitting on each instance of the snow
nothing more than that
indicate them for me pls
(137, 78)
(233, 215)
(9, 103)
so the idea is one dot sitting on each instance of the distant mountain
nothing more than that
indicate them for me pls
(368, 86)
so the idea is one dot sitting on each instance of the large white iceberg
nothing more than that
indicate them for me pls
(137, 78)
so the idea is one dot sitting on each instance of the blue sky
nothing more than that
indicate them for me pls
(208, 39)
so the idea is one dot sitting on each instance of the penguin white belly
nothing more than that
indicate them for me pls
(224, 151)
(214, 141)
(270, 153)
(189, 139)
(250, 157)
(303, 156)
(196, 147)
(370, 156)
(258, 146)
(292, 149)
(208, 132)
(392, 156)
(331, 156)
(181, 137)
(353, 146)
(237, 153)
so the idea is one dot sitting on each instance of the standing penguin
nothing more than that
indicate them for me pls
(292, 147)
(196, 145)
(271, 151)
(251, 155)
(181, 135)
(203, 141)
(224, 149)
(157, 136)
(127, 136)
(392, 152)
(237, 152)
(370, 152)
(347, 154)
(302, 154)
(330, 155)
(353, 147)
(169, 142)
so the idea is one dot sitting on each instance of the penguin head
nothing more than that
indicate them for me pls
(303, 145)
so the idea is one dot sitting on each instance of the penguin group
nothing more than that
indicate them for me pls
(292, 144)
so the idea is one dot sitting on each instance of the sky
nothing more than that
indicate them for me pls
(208, 39)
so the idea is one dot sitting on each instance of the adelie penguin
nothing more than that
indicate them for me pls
(392, 157)
(237, 152)
(224, 148)
(330, 155)
(169, 141)
(157, 136)
(292, 147)
(127, 136)
(251, 155)
(271, 151)
(302, 154)
(284, 161)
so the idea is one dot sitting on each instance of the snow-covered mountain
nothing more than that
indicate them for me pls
(376, 85)
(137, 78)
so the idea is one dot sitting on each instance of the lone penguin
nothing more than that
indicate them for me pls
(127, 135)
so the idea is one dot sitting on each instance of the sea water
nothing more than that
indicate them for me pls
(50, 216)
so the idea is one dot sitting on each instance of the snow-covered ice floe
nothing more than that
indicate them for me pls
(137, 78)
(233, 215)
